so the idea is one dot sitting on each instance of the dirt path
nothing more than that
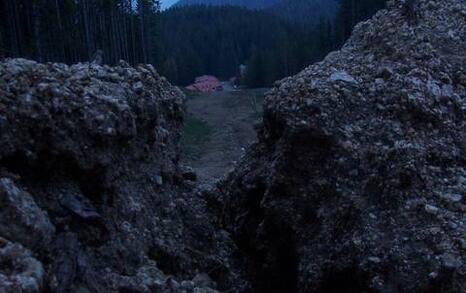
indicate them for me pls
(229, 119)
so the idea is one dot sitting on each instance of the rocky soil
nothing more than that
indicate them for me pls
(92, 198)
(358, 180)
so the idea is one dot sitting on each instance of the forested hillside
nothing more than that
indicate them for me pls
(71, 31)
(251, 4)
(308, 11)
(200, 39)
(351, 12)
(185, 41)
(197, 40)
(305, 11)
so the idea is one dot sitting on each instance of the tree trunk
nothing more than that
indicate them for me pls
(141, 10)
(36, 30)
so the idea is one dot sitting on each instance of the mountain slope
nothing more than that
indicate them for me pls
(251, 4)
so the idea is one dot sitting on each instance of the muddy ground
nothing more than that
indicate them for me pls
(219, 127)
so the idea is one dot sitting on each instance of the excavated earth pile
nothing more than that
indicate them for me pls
(92, 198)
(358, 180)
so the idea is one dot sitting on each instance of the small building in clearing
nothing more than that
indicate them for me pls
(205, 83)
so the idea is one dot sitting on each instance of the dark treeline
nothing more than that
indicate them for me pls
(73, 30)
(183, 42)
(214, 40)
(199, 40)
(350, 12)
(305, 11)
(331, 34)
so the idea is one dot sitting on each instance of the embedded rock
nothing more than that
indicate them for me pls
(342, 76)
(361, 188)
(19, 270)
(21, 220)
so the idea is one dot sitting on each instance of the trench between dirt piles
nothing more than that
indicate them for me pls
(272, 259)
(271, 252)
(266, 238)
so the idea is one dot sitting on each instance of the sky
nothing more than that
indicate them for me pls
(167, 3)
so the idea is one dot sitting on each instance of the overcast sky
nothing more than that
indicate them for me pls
(167, 3)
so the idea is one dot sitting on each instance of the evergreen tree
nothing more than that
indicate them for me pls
(217, 40)
(72, 30)
(223, 39)
(350, 12)
(184, 42)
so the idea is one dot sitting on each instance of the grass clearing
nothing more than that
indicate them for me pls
(190, 94)
(255, 98)
(196, 134)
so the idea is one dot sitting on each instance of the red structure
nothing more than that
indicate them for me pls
(205, 83)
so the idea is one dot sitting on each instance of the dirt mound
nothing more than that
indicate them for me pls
(358, 180)
(92, 198)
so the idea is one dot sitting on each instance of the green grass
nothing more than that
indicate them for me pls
(196, 134)
(255, 98)
(191, 94)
